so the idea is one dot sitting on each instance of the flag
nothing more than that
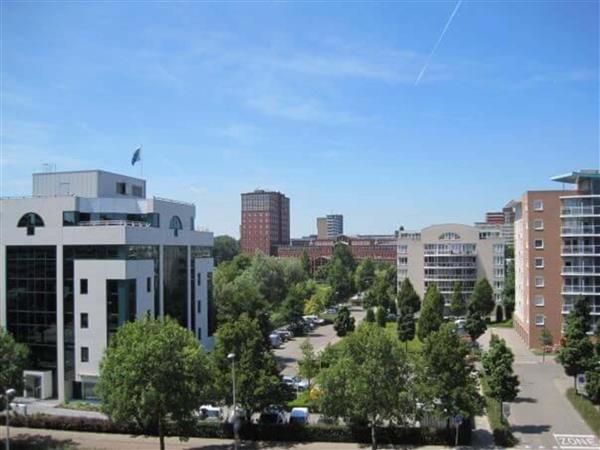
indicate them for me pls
(137, 156)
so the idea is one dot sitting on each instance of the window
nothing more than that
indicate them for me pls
(450, 236)
(538, 244)
(539, 300)
(198, 278)
(191, 223)
(85, 354)
(539, 263)
(540, 320)
(539, 282)
(121, 188)
(175, 225)
(136, 191)
(538, 224)
(84, 320)
(149, 284)
(30, 221)
(83, 286)
(402, 249)
(538, 205)
(199, 307)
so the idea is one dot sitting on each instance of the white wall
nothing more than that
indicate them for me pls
(202, 266)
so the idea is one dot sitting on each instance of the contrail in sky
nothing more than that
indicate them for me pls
(438, 41)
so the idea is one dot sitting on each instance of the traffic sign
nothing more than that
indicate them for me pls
(458, 419)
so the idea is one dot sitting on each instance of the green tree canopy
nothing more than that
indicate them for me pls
(344, 322)
(370, 381)
(341, 252)
(13, 357)
(406, 326)
(446, 379)
(408, 296)
(381, 316)
(364, 275)
(370, 316)
(508, 293)
(225, 248)
(269, 275)
(154, 375)
(457, 305)
(258, 383)
(503, 384)
(482, 299)
(475, 325)
(432, 313)
(339, 278)
(305, 262)
(309, 364)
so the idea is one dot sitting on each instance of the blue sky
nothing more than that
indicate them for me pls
(317, 100)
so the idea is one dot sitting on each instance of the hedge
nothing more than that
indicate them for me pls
(264, 432)
(500, 428)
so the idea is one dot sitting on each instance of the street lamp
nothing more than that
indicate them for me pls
(234, 417)
(231, 357)
(9, 394)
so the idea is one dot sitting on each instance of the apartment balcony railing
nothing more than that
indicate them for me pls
(580, 270)
(122, 223)
(583, 290)
(581, 230)
(580, 211)
(580, 250)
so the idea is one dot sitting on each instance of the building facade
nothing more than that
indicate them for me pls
(446, 254)
(557, 255)
(87, 252)
(330, 226)
(381, 248)
(265, 222)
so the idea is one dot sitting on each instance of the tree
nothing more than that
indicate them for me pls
(576, 355)
(364, 275)
(381, 316)
(393, 309)
(482, 298)
(408, 296)
(592, 376)
(292, 307)
(457, 306)
(269, 275)
(508, 293)
(339, 278)
(309, 364)
(432, 313)
(258, 383)
(305, 262)
(153, 376)
(370, 317)
(406, 327)
(475, 325)
(545, 341)
(318, 301)
(370, 381)
(503, 384)
(225, 248)
(448, 385)
(341, 252)
(344, 322)
(13, 357)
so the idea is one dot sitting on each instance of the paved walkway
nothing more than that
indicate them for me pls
(541, 416)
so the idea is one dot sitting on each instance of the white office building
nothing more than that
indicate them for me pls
(86, 253)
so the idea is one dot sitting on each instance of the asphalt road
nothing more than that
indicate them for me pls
(542, 417)
(289, 353)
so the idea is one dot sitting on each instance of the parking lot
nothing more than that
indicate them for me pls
(290, 353)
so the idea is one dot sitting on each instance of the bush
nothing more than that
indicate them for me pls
(264, 432)
(503, 436)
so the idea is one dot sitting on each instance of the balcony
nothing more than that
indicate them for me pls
(574, 250)
(580, 270)
(118, 223)
(581, 290)
(580, 211)
(582, 230)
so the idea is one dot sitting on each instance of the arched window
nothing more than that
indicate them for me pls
(450, 236)
(30, 221)
(175, 225)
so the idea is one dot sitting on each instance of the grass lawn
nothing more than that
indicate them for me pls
(586, 409)
(414, 346)
(505, 324)
(81, 406)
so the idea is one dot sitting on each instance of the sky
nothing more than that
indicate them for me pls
(343, 106)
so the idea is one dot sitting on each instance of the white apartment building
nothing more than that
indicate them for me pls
(449, 253)
(86, 253)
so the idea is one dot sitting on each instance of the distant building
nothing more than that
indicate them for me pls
(330, 226)
(557, 255)
(504, 220)
(446, 254)
(494, 218)
(86, 253)
(380, 248)
(265, 222)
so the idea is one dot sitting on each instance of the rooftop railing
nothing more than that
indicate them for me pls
(122, 223)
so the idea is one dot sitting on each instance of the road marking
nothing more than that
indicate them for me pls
(577, 441)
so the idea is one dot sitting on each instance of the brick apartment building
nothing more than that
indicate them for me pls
(557, 255)
(265, 222)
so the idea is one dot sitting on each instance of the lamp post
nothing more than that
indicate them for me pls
(231, 357)
(234, 416)
(8, 395)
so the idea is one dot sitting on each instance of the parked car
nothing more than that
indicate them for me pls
(299, 416)
(332, 310)
(275, 340)
(210, 413)
(460, 323)
(289, 380)
(273, 415)
(314, 319)
(302, 385)
(297, 328)
(285, 335)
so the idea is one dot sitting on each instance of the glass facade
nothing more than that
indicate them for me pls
(31, 303)
(76, 218)
(175, 283)
(121, 304)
